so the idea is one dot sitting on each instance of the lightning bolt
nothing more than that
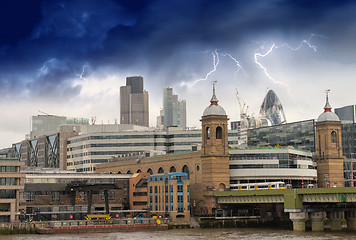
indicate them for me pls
(44, 68)
(216, 61)
(258, 54)
(81, 76)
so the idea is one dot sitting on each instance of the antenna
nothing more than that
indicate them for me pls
(93, 120)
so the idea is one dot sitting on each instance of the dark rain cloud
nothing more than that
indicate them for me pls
(160, 37)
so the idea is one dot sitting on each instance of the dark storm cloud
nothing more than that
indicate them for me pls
(157, 36)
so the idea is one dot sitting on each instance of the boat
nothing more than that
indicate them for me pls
(103, 228)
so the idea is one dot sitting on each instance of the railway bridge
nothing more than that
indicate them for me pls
(324, 207)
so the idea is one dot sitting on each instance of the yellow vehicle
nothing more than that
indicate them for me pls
(98, 217)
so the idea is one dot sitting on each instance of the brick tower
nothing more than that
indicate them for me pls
(215, 149)
(329, 148)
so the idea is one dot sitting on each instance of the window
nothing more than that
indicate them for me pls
(207, 133)
(333, 139)
(185, 169)
(219, 133)
(172, 169)
(140, 193)
(4, 207)
(160, 170)
(56, 197)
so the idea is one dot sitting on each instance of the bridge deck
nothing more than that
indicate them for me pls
(292, 198)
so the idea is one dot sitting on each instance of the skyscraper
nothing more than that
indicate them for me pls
(272, 109)
(174, 110)
(134, 102)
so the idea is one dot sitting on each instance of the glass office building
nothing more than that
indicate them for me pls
(299, 135)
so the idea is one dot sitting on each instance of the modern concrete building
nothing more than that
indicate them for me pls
(46, 150)
(50, 124)
(99, 143)
(291, 166)
(169, 195)
(10, 186)
(134, 102)
(174, 110)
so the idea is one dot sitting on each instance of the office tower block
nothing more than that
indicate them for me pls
(174, 110)
(134, 102)
(346, 114)
(136, 84)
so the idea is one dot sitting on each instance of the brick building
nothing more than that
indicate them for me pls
(10, 185)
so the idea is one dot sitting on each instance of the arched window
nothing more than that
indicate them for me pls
(128, 172)
(207, 133)
(185, 169)
(172, 169)
(219, 133)
(150, 171)
(333, 139)
(138, 170)
(119, 172)
(160, 170)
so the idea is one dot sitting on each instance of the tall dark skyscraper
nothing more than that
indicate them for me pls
(134, 102)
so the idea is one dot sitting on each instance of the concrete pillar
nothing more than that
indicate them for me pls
(317, 221)
(106, 195)
(351, 220)
(335, 220)
(298, 220)
(90, 199)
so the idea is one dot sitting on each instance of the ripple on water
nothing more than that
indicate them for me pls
(196, 234)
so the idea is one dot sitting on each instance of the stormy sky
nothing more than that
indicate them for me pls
(69, 58)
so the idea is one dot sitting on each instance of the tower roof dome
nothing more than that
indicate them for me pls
(214, 108)
(328, 115)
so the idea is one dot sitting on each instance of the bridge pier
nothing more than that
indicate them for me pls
(335, 220)
(317, 221)
(298, 220)
(351, 220)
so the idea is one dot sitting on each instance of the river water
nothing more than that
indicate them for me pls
(193, 234)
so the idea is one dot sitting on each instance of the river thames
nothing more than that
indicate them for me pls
(192, 234)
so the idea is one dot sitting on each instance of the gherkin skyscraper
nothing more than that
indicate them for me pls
(272, 109)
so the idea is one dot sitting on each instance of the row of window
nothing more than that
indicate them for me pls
(158, 201)
(8, 181)
(131, 136)
(185, 169)
(141, 144)
(56, 196)
(8, 169)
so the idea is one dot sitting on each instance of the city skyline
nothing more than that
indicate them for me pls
(69, 58)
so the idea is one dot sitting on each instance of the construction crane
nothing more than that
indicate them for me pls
(243, 107)
(44, 113)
